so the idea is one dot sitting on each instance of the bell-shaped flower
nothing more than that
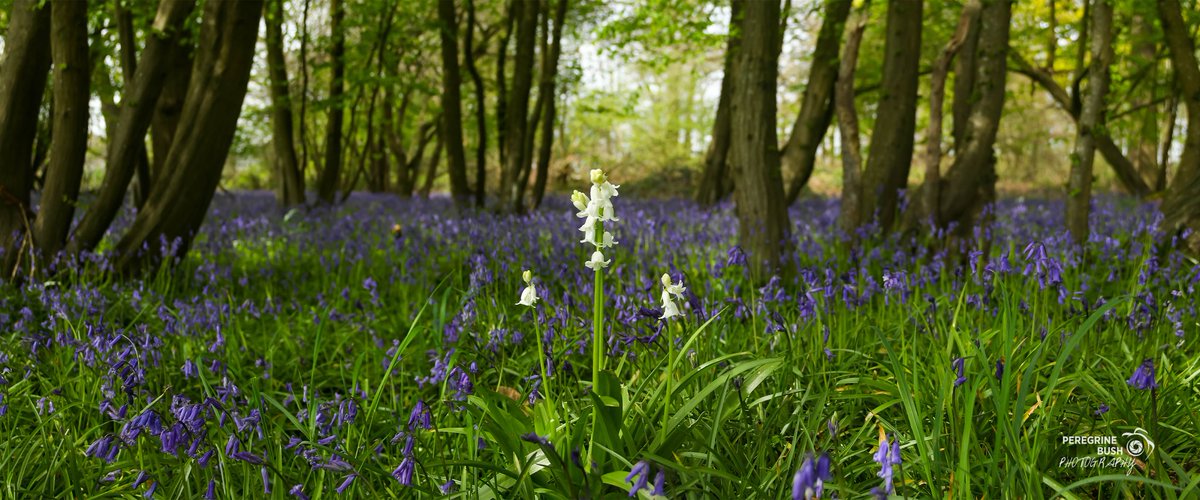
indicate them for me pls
(580, 201)
(597, 261)
(529, 294)
(670, 309)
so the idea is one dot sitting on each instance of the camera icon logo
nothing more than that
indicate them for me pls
(1138, 443)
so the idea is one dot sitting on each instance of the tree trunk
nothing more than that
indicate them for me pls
(518, 103)
(816, 108)
(431, 172)
(1168, 139)
(139, 103)
(970, 182)
(937, 97)
(480, 109)
(713, 185)
(549, 111)
(511, 13)
(1181, 207)
(892, 141)
(179, 200)
(452, 131)
(170, 102)
(763, 226)
(850, 217)
(327, 182)
(964, 83)
(125, 34)
(286, 164)
(1145, 148)
(68, 145)
(23, 72)
(1079, 185)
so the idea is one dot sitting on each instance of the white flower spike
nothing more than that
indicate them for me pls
(595, 210)
(597, 261)
(529, 294)
(670, 309)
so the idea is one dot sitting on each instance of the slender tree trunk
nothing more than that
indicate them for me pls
(480, 109)
(286, 164)
(125, 34)
(713, 185)
(23, 72)
(816, 108)
(1145, 149)
(179, 200)
(1079, 186)
(452, 131)
(763, 226)
(518, 103)
(511, 13)
(549, 81)
(138, 108)
(1168, 139)
(937, 98)
(431, 172)
(892, 141)
(850, 217)
(327, 182)
(971, 179)
(303, 116)
(1181, 207)
(68, 145)
(964, 84)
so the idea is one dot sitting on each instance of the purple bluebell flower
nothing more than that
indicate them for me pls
(448, 487)
(210, 493)
(105, 448)
(404, 472)
(638, 477)
(266, 480)
(957, 366)
(420, 416)
(1143, 376)
(809, 481)
(534, 438)
(1100, 410)
(346, 484)
(659, 481)
(298, 490)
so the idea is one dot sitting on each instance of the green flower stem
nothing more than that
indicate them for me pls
(597, 343)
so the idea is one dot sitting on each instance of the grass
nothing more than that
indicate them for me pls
(280, 318)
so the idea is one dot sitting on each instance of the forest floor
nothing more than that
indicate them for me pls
(378, 350)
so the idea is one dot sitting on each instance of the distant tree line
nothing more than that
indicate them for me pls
(381, 94)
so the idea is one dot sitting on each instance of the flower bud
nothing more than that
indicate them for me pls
(527, 276)
(598, 176)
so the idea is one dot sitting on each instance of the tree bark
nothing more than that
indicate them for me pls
(1145, 148)
(1181, 207)
(1079, 185)
(850, 217)
(970, 182)
(511, 13)
(431, 172)
(892, 142)
(480, 109)
(286, 164)
(68, 144)
(179, 201)
(763, 226)
(964, 83)
(170, 103)
(549, 111)
(518, 103)
(327, 182)
(713, 182)
(138, 106)
(1126, 172)
(125, 34)
(816, 108)
(23, 73)
(452, 129)
(937, 96)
